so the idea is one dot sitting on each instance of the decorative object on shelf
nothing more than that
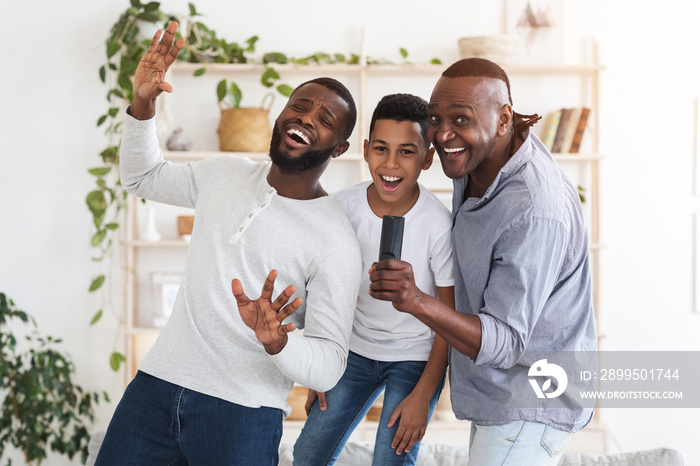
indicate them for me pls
(499, 48)
(164, 289)
(539, 27)
(41, 409)
(185, 224)
(179, 141)
(245, 129)
(151, 233)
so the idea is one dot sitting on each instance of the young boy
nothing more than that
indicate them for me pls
(389, 350)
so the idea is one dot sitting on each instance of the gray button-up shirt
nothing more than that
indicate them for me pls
(521, 266)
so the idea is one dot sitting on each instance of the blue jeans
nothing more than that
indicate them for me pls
(158, 423)
(520, 443)
(325, 432)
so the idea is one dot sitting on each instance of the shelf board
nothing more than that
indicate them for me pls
(175, 243)
(184, 156)
(187, 156)
(341, 68)
(585, 158)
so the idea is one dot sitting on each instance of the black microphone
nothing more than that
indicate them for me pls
(392, 237)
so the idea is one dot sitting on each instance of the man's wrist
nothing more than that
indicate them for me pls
(142, 109)
(277, 346)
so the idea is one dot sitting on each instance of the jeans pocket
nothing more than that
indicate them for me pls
(555, 441)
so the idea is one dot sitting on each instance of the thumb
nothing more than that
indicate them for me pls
(394, 416)
(322, 403)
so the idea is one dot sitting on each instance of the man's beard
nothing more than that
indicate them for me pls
(288, 164)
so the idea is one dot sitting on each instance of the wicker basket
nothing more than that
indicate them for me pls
(246, 129)
(499, 49)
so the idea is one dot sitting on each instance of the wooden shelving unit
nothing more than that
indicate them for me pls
(364, 74)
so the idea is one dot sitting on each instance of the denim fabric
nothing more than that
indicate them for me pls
(325, 432)
(518, 443)
(158, 423)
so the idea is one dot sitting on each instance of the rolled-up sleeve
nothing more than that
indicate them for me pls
(525, 268)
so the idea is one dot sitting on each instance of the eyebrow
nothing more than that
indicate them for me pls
(405, 144)
(325, 109)
(453, 106)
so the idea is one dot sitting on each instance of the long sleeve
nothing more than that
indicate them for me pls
(144, 172)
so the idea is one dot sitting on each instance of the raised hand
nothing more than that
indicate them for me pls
(149, 79)
(265, 316)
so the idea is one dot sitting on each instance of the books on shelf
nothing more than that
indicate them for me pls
(564, 129)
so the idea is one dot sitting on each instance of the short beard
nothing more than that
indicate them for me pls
(288, 164)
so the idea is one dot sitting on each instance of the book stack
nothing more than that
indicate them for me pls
(564, 129)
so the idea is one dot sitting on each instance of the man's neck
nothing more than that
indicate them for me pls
(302, 186)
(484, 175)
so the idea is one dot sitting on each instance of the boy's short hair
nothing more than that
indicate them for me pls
(403, 107)
(342, 92)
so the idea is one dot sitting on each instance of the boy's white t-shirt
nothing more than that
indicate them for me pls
(379, 331)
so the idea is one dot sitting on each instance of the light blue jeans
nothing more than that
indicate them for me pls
(518, 443)
(325, 432)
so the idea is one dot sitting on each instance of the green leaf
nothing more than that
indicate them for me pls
(97, 283)
(339, 57)
(113, 47)
(221, 90)
(236, 95)
(112, 226)
(96, 317)
(269, 77)
(136, 3)
(98, 237)
(116, 360)
(285, 90)
(100, 171)
(404, 52)
(103, 74)
(96, 202)
(200, 71)
(152, 6)
(275, 57)
(150, 16)
(113, 111)
(435, 61)
(193, 10)
(101, 120)
(251, 43)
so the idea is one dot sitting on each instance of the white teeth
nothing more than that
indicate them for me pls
(300, 134)
(390, 178)
(451, 150)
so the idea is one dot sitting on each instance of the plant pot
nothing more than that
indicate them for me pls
(246, 129)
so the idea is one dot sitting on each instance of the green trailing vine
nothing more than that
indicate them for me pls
(124, 48)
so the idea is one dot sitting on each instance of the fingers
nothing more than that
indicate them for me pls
(237, 289)
(166, 40)
(283, 298)
(322, 403)
(269, 286)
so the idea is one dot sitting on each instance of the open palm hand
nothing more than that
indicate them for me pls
(265, 316)
(150, 74)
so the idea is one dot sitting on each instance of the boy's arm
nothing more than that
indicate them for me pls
(414, 410)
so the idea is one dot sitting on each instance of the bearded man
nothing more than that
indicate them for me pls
(213, 388)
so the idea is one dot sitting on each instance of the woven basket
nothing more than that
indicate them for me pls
(246, 129)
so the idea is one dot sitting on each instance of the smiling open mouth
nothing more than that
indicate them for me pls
(298, 136)
(391, 182)
(452, 151)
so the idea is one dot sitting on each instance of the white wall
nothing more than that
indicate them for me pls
(52, 97)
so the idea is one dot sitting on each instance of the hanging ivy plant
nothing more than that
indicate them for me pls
(124, 48)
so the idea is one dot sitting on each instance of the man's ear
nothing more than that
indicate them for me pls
(428, 158)
(505, 118)
(340, 149)
(365, 149)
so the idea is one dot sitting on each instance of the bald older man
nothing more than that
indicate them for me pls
(522, 271)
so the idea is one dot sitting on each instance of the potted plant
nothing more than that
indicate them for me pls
(41, 409)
